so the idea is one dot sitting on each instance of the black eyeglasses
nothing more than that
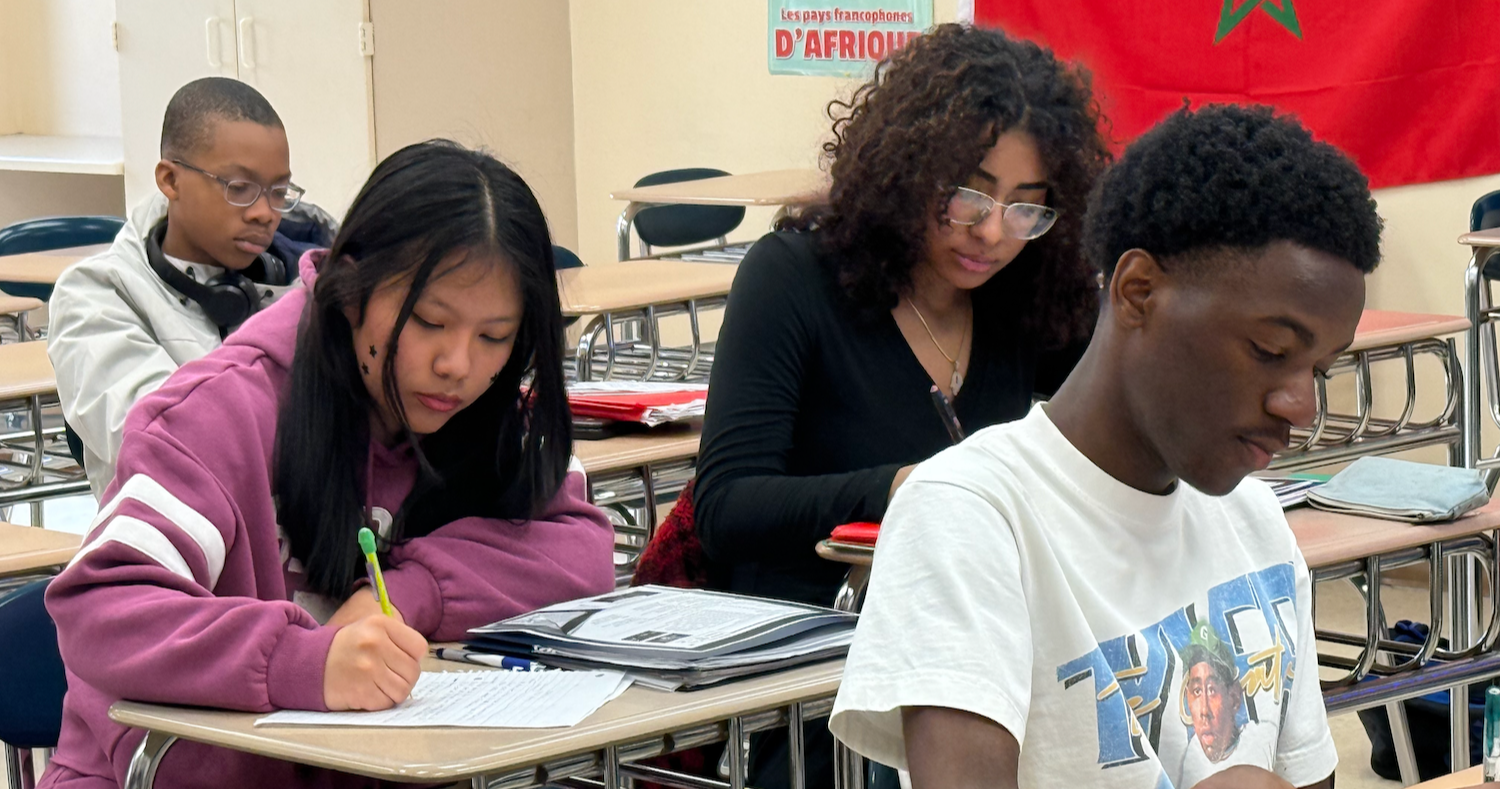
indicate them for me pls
(243, 194)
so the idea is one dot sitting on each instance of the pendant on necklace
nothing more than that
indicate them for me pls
(957, 381)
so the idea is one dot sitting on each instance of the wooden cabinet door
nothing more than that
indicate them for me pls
(164, 44)
(307, 60)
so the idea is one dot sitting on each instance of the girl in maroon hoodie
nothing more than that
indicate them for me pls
(223, 569)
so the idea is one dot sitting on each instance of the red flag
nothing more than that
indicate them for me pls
(1409, 88)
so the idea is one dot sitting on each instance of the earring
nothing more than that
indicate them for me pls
(372, 352)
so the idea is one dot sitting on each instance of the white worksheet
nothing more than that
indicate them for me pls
(481, 699)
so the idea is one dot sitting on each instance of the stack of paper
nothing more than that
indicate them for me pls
(482, 699)
(668, 637)
(650, 404)
(1291, 491)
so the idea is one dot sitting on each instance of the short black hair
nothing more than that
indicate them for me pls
(188, 125)
(1230, 178)
(1218, 661)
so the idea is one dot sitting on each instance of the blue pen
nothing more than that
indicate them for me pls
(485, 659)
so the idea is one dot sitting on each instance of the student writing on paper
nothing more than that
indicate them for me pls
(219, 242)
(224, 570)
(1097, 595)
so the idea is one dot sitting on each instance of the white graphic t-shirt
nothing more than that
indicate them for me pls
(1125, 639)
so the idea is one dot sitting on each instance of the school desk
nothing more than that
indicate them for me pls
(638, 725)
(785, 188)
(43, 268)
(629, 475)
(28, 384)
(629, 300)
(27, 552)
(1483, 383)
(18, 306)
(1386, 340)
(1360, 549)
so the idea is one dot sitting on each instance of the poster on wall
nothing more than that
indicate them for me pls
(840, 38)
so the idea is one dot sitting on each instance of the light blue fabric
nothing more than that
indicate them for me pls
(1402, 490)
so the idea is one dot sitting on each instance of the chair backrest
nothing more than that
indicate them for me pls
(58, 232)
(562, 258)
(1485, 215)
(32, 668)
(681, 225)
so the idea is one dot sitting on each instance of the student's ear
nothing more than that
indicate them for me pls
(166, 179)
(1138, 278)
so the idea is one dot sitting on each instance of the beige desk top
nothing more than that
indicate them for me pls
(26, 550)
(43, 268)
(634, 284)
(25, 370)
(447, 754)
(1481, 238)
(775, 187)
(1463, 778)
(1380, 327)
(630, 451)
(1325, 538)
(10, 305)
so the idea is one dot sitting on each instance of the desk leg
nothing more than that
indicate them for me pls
(796, 756)
(38, 468)
(612, 767)
(142, 771)
(650, 325)
(622, 230)
(853, 591)
(735, 742)
(1462, 591)
(848, 766)
(1406, 757)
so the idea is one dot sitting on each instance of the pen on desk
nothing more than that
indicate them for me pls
(946, 413)
(484, 659)
(1491, 734)
(367, 546)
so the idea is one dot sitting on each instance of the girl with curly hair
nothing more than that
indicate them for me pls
(947, 255)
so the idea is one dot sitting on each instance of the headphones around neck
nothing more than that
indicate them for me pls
(227, 299)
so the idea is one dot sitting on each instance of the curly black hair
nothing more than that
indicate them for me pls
(1229, 177)
(919, 128)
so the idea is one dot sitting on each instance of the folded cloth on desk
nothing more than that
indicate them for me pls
(650, 404)
(1401, 490)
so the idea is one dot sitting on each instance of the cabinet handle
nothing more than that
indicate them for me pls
(211, 40)
(247, 41)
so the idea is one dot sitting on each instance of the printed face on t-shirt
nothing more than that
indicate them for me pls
(1215, 706)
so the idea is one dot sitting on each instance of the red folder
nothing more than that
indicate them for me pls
(856, 533)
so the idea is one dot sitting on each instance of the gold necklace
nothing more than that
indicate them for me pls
(957, 381)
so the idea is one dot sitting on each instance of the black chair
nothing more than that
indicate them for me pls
(564, 258)
(684, 225)
(59, 232)
(1483, 367)
(31, 706)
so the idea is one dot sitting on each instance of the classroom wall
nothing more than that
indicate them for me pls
(496, 73)
(663, 84)
(58, 71)
(29, 195)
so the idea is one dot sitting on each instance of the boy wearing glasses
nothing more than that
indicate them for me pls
(219, 243)
(1095, 596)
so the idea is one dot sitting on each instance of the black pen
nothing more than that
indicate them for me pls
(946, 413)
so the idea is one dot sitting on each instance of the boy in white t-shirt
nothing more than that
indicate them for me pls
(1095, 595)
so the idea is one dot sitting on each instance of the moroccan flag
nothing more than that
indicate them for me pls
(1409, 88)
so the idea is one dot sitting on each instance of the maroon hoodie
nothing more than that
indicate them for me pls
(184, 592)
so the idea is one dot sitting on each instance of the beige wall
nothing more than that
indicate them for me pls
(496, 73)
(662, 84)
(58, 70)
(31, 195)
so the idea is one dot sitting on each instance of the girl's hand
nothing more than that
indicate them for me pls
(361, 604)
(372, 664)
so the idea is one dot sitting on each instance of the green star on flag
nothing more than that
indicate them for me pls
(1230, 17)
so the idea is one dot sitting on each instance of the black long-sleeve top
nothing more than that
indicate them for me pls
(812, 409)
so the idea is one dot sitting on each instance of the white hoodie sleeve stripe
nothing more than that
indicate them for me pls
(149, 492)
(143, 537)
